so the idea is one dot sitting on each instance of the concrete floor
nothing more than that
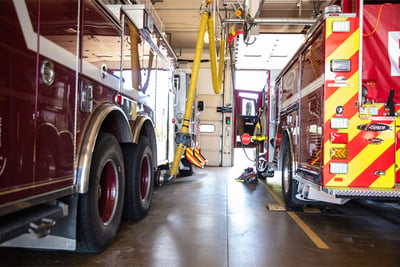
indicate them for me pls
(209, 219)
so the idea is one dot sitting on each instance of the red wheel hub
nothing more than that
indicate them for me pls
(145, 178)
(107, 192)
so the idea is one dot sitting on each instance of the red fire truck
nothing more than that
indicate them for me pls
(86, 91)
(334, 124)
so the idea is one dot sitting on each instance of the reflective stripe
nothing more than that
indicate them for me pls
(190, 156)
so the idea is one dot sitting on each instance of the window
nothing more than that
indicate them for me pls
(207, 128)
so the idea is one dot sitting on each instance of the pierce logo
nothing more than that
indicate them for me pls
(375, 141)
(374, 127)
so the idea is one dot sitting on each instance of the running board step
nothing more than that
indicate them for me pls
(37, 220)
(363, 192)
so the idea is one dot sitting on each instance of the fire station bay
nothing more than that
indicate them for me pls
(200, 133)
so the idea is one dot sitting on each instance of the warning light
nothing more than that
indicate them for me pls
(339, 153)
(339, 138)
(338, 168)
(228, 120)
(238, 13)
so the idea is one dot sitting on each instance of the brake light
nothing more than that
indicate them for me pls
(339, 138)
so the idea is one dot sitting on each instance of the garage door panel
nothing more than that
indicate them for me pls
(208, 143)
(212, 157)
(211, 129)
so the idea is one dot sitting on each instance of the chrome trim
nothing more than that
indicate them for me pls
(20, 204)
(47, 72)
(49, 242)
(103, 72)
(313, 86)
(363, 192)
(33, 186)
(48, 48)
(360, 49)
(82, 169)
(138, 127)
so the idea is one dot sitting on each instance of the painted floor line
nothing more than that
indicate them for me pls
(306, 229)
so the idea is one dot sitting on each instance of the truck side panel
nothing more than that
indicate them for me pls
(37, 156)
(311, 103)
(17, 96)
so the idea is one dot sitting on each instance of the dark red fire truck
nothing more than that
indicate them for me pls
(85, 96)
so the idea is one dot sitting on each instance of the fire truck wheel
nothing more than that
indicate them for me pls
(139, 179)
(289, 185)
(100, 209)
(187, 169)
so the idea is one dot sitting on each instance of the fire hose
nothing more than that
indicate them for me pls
(182, 138)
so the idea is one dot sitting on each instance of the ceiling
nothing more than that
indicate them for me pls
(270, 40)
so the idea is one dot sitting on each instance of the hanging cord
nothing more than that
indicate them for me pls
(246, 29)
(244, 150)
(258, 121)
(377, 21)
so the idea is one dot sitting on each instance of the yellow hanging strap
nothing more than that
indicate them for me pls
(216, 77)
(135, 65)
(191, 94)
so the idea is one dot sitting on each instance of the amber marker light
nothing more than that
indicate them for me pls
(339, 153)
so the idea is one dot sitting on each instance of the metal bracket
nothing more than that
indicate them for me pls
(43, 228)
(183, 139)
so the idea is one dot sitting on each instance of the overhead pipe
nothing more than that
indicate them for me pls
(271, 21)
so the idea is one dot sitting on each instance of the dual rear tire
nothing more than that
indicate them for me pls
(100, 209)
(139, 167)
(289, 185)
(121, 183)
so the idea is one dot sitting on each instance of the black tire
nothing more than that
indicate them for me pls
(100, 209)
(187, 169)
(139, 170)
(289, 185)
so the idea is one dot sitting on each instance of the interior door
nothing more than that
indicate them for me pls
(247, 105)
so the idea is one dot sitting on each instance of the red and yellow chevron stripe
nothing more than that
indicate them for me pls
(190, 155)
(371, 139)
(198, 155)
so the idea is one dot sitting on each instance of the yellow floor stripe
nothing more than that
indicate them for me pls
(306, 229)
